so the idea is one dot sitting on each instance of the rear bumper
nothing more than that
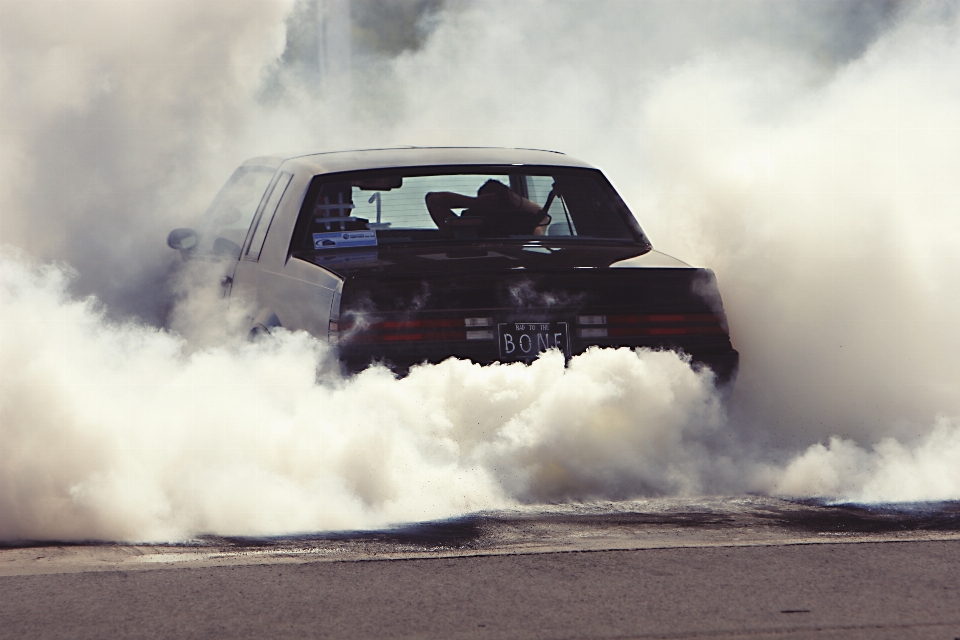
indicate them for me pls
(405, 321)
(723, 363)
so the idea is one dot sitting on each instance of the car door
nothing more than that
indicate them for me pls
(280, 291)
(225, 226)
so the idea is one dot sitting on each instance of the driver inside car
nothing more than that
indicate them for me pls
(496, 211)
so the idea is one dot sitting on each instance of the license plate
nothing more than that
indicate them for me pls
(525, 340)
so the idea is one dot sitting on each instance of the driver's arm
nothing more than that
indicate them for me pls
(441, 204)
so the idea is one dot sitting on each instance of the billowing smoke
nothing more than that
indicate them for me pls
(119, 121)
(115, 430)
(807, 152)
(892, 472)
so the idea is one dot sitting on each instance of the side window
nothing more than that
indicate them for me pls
(262, 224)
(228, 219)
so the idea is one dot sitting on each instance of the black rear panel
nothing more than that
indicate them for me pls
(403, 319)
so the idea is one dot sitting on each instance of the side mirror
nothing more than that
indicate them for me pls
(182, 239)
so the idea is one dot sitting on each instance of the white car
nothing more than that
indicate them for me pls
(418, 254)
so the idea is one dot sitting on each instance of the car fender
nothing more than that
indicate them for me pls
(263, 322)
(300, 297)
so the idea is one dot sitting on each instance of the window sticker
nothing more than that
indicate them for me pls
(344, 239)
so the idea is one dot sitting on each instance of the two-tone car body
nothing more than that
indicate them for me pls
(413, 255)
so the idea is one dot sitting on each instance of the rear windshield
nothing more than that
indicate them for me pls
(477, 203)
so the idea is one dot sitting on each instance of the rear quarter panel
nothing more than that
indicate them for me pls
(284, 291)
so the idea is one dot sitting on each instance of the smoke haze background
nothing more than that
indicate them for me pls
(807, 152)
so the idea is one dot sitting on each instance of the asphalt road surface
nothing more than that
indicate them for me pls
(751, 568)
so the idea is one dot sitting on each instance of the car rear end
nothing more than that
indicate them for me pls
(496, 261)
(505, 317)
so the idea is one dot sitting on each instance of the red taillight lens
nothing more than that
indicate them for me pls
(640, 325)
(420, 329)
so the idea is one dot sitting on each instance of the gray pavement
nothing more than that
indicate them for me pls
(545, 575)
(865, 590)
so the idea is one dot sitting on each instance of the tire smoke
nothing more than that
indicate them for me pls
(807, 152)
(118, 431)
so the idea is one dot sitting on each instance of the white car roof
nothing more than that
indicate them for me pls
(336, 161)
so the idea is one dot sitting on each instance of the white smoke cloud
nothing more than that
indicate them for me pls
(830, 220)
(120, 120)
(890, 472)
(805, 151)
(118, 431)
(815, 177)
(122, 431)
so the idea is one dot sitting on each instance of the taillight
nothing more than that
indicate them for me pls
(480, 335)
(421, 329)
(592, 331)
(640, 325)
